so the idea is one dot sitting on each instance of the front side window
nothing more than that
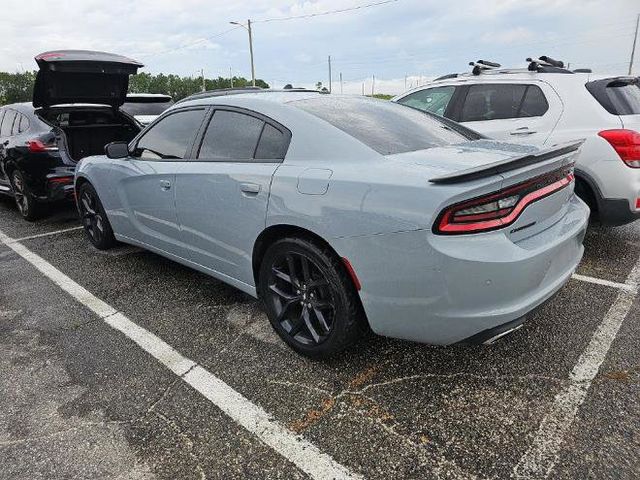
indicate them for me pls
(7, 123)
(231, 136)
(433, 100)
(170, 138)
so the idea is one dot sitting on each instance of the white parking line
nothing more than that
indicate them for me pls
(539, 460)
(306, 456)
(606, 283)
(39, 235)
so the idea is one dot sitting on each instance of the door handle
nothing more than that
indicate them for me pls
(165, 185)
(522, 131)
(250, 188)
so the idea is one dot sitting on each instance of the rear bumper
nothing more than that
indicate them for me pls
(616, 211)
(442, 290)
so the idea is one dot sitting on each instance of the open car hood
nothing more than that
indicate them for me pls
(82, 76)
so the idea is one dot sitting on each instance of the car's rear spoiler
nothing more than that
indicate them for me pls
(508, 164)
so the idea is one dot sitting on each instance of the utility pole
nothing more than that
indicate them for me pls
(204, 88)
(230, 77)
(633, 49)
(247, 27)
(363, 88)
(329, 73)
(373, 84)
(405, 81)
(340, 83)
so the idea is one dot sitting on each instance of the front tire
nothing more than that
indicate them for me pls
(309, 298)
(94, 219)
(27, 204)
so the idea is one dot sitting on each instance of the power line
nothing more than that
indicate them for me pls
(215, 35)
(330, 12)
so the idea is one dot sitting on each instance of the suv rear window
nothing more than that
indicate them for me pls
(386, 127)
(619, 96)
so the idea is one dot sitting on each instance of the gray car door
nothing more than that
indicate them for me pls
(222, 194)
(146, 181)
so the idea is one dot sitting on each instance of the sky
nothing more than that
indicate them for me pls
(402, 43)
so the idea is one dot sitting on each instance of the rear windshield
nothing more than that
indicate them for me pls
(620, 97)
(146, 108)
(386, 127)
(625, 98)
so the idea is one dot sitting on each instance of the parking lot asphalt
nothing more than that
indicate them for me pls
(560, 398)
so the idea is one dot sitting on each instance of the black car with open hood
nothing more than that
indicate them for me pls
(76, 111)
(82, 76)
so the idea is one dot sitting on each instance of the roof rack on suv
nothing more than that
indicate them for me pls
(482, 65)
(545, 64)
(239, 90)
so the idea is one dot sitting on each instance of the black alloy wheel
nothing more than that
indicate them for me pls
(309, 298)
(94, 220)
(26, 203)
(302, 298)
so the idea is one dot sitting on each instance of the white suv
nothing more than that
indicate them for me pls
(545, 105)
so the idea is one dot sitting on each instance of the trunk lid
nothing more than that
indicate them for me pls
(82, 76)
(473, 170)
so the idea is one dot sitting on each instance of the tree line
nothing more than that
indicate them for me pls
(18, 87)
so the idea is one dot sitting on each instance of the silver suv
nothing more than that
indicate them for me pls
(547, 104)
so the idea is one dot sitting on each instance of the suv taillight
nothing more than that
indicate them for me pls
(502, 208)
(626, 143)
(37, 145)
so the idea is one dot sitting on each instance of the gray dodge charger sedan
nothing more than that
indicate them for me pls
(342, 213)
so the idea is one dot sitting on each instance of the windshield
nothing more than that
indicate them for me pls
(619, 96)
(386, 127)
(625, 98)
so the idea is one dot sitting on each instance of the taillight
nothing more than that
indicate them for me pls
(626, 143)
(499, 209)
(38, 146)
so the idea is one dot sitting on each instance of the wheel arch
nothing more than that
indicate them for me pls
(274, 233)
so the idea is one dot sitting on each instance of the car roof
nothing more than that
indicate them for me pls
(506, 75)
(273, 95)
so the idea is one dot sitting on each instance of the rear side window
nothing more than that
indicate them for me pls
(24, 123)
(502, 101)
(231, 135)
(7, 123)
(272, 145)
(534, 103)
(492, 102)
(433, 100)
(170, 138)
(16, 124)
(386, 127)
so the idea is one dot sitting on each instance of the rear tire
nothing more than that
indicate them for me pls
(26, 202)
(309, 298)
(94, 219)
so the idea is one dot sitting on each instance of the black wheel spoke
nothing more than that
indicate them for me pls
(304, 261)
(281, 275)
(321, 320)
(285, 308)
(309, 325)
(296, 327)
(282, 294)
(292, 270)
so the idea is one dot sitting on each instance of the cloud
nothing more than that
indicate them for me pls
(412, 37)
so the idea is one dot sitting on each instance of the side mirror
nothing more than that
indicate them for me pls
(117, 150)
